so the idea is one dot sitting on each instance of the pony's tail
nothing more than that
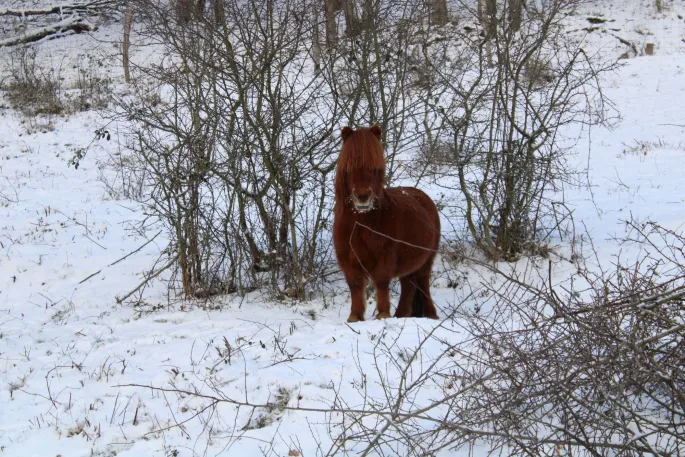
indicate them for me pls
(418, 304)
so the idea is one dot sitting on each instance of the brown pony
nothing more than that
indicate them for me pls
(382, 233)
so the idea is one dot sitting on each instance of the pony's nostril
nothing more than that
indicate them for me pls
(363, 200)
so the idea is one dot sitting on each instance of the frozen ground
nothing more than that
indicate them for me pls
(67, 348)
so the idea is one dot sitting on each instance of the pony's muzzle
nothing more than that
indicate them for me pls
(363, 202)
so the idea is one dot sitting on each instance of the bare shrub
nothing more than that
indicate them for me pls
(504, 98)
(236, 142)
(644, 147)
(93, 89)
(275, 408)
(538, 72)
(433, 156)
(124, 176)
(379, 76)
(31, 89)
(235, 133)
(35, 87)
(591, 368)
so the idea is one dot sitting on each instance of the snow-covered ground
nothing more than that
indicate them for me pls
(634, 21)
(68, 350)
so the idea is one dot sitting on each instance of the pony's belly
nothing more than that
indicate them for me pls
(388, 251)
(408, 264)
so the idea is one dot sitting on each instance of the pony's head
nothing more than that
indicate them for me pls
(360, 174)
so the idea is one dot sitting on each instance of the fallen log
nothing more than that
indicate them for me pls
(62, 28)
(80, 8)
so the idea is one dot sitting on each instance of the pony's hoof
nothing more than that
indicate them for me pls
(432, 316)
(383, 315)
(354, 318)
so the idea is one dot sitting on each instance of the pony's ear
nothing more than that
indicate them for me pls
(376, 130)
(346, 132)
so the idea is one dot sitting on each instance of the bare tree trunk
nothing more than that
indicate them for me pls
(199, 9)
(258, 260)
(515, 11)
(659, 6)
(186, 10)
(219, 12)
(331, 6)
(439, 12)
(316, 38)
(491, 17)
(351, 18)
(367, 15)
(128, 18)
(487, 15)
(182, 8)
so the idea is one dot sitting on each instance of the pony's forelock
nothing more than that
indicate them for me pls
(361, 151)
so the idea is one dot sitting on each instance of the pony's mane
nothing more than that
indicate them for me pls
(361, 150)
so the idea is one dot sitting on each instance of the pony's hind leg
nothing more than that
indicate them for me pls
(424, 295)
(408, 287)
(422, 302)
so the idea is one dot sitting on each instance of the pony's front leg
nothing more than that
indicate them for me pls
(382, 299)
(356, 281)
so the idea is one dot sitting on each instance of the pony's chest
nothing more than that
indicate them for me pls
(364, 236)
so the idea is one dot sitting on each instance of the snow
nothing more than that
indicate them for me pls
(68, 351)
(636, 168)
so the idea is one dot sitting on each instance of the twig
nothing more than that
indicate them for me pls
(90, 276)
(148, 279)
(180, 424)
(137, 250)
(123, 258)
(391, 238)
(396, 416)
(355, 331)
(93, 241)
(357, 223)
